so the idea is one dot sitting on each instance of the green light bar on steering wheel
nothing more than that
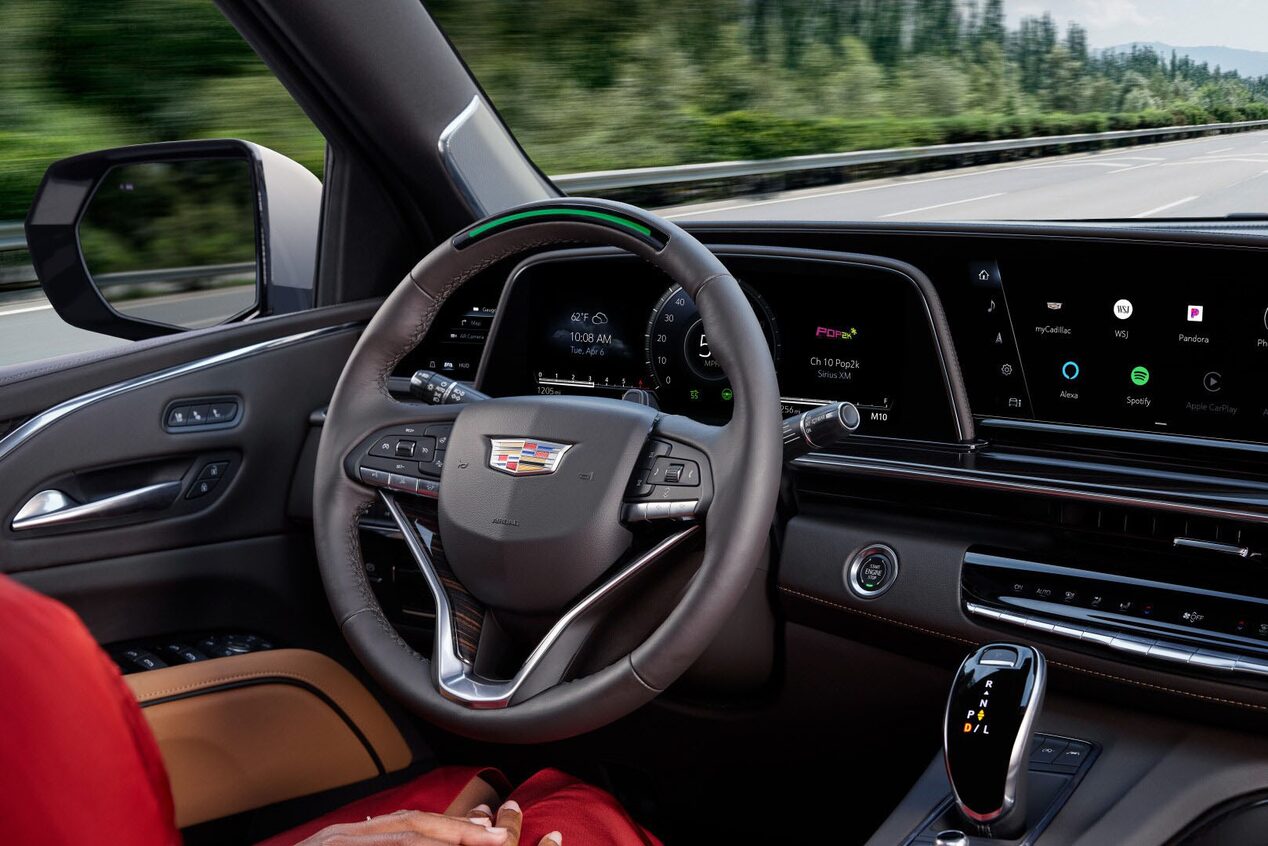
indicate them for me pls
(561, 212)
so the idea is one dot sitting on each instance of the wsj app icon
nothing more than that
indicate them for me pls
(1123, 309)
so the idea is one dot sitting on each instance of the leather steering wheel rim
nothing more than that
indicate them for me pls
(746, 468)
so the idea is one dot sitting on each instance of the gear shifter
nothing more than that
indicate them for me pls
(995, 698)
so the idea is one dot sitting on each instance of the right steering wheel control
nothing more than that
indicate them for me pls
(871, 571)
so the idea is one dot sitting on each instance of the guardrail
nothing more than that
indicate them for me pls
(19, 275)
(653, 177)
(12, 236)
(176, 274)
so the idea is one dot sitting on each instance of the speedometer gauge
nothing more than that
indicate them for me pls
(687, 377)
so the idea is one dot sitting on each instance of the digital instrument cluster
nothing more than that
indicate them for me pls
(603, 324)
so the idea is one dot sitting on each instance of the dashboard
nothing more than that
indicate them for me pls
(838, 328)
(1064, 428)
(1149, 339)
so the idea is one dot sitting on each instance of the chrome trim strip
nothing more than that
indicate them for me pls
(1169, 652)
(994, 481)
(454, 677)
(37, 513)
(44, 419)
(1214, 546)
(444, 145)
(447, 134)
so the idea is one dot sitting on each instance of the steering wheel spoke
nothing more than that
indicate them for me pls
(457, 636)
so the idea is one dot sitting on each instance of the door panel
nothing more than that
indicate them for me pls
(233, 558)
(102, 452)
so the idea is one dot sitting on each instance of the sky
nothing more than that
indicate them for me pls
(1188, 23)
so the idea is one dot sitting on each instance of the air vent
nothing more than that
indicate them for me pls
(1162, 527)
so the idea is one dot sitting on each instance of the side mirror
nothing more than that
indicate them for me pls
(143, 241)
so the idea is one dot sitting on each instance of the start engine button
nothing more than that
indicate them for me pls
(871, 571)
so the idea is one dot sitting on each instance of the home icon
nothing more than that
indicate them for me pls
(984, 276)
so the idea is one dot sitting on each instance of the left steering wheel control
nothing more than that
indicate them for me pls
(405, 458)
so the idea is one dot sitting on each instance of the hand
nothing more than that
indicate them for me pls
(511, 818)
(418, 828)
(411, 828)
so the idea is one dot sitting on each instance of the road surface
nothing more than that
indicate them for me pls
(1203, 177)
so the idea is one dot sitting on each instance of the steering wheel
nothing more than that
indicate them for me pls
(548, 506)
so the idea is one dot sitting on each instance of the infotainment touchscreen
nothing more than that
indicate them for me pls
(1183, 352)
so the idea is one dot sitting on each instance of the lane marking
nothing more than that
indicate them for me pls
(1220, 150)
(1167, 206)
(1132, 167)
(944, 205)
(830, 194)
(1221, 160)
(982, 171)
(44, 307)
(1068, 164)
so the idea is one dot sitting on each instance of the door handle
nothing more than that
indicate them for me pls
(54, 508)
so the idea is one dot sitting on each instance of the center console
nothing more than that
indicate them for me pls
(1006, 782)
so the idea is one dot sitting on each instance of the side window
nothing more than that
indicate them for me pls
(81, 75)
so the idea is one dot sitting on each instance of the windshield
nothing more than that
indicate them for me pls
(885, 110)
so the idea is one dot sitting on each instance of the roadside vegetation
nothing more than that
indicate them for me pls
(611, 83)
(627, 83)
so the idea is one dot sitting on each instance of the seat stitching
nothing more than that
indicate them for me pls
(232, 677)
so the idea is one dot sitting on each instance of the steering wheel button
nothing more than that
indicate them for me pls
(384, 448)
(690, 474)
(405, 448)
(658, 510)
(683, 508)
(440, 433)
(406, 484)
(652, 451)
(428, 487)
(370, 476)
(634, 512)
(660, 471)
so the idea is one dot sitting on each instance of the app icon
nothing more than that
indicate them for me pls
(1123, 309)
(1140, 376)
(1213, 381)
(1070, 370)
(1195, 314)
